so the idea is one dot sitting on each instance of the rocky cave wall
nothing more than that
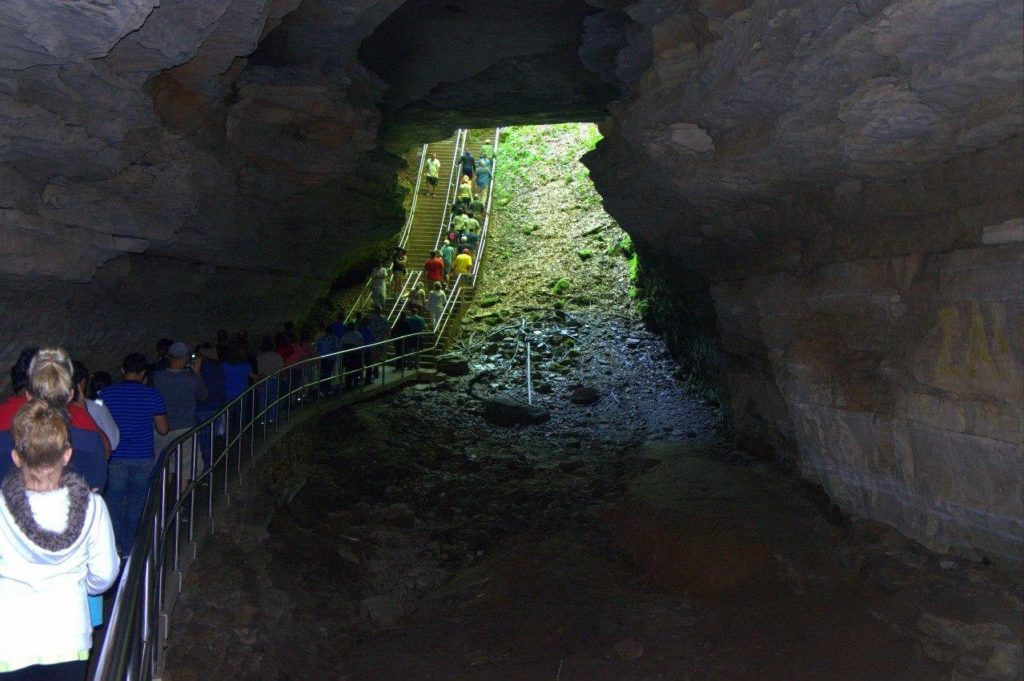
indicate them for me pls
(835, 189)
(170, 167)
(158, 179)
(826, 196)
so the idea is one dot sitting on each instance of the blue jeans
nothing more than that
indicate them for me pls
(127, 486)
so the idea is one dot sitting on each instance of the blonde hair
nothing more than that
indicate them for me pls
(49, 377)
(40, 434)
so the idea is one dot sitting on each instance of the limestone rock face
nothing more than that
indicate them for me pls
(481, 63)
(34, 32)
(825, 194)
(830, 193)
(169, 168)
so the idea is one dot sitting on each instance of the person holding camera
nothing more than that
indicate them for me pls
(181, 385)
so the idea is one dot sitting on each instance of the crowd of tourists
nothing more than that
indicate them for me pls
(83, 449)
(427, 299)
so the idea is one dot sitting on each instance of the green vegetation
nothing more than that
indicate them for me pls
(623, 246)
(526, 155)
(591, 137)
(489, 300)
(626, 245)
(555, 246)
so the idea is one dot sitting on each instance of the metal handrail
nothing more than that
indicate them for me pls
(415, 198)
(403, 297)
(131, 648)
(449, 308)
(453, 186)
(364, 295)
(487, 208)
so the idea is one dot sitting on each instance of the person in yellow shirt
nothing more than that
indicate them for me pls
(431, 168)
(466, 189)
(463, 263)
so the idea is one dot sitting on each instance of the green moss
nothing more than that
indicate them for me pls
(585, 253)
(634, 267)
(488, 301)
(560, 286)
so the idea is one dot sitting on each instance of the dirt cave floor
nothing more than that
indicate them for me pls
(627, 538)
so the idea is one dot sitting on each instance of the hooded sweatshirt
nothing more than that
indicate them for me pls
(55, 548)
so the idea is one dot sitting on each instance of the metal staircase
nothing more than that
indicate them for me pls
(428, 217)
(424, 232)
(432, 211)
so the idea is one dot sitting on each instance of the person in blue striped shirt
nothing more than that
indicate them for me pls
(137, 410)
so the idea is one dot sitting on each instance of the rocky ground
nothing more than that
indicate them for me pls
(621, 534)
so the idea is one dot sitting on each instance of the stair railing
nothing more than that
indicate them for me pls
(487, 209)
(448, 310)
(453, 187)
(415, 197)
(174, 516)
(367, 291)
(403, 297)
(361, 301)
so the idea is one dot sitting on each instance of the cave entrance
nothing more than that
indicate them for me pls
(558, 271)
(553, 245)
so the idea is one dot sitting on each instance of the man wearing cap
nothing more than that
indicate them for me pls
(448, 256)
(181, 385)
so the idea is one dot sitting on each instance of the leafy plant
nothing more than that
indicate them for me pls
(560, 286)
(634, 267)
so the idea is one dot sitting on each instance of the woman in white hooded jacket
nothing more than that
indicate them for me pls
(56, 546)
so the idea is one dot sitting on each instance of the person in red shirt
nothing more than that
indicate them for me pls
(90, 445)
(80, 418)
(434, 268)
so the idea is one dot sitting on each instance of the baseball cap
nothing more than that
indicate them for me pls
(178, 349)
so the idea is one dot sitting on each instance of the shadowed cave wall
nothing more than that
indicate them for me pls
(826, 197)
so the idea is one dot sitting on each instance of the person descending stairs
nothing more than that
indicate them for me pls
(425, 232)
(430, 208)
